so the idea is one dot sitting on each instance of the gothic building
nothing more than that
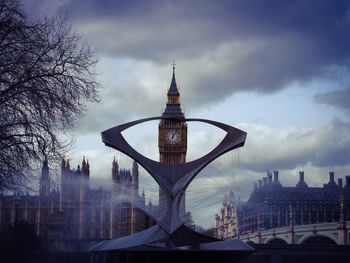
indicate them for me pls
(172, 136)
(227, 222)
(77, 212)
(272, 205)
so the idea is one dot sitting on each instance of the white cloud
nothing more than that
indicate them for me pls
(287, 147)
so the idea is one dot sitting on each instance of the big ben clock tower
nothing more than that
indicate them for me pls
(172, 135)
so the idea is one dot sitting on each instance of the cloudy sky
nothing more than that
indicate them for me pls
(276, 69)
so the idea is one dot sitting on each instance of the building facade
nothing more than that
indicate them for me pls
(77, 212)
(272, 205)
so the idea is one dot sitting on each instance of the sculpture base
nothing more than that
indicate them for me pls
(171, 256)
(155, 245)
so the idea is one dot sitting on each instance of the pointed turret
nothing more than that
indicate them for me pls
(135, 172)
(143, 195)
(85, 168)
(63, 164)
(88, 167)
(173, 91)
(45, 180)
(115, 171)
(135, 178)
(83, 165)
(85, 175)
(231, 198)
(78, 170)
(45, 169)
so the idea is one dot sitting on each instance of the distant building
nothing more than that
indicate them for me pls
(77, 212)
(227, 221)
(271, 206)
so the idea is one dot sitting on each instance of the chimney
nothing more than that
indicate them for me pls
(301, 182)
(340, 182)
(78, 170)
(347, 181)
(264, 181)
(260, 183)
(275, 179)
(331, 177)
(269, 178)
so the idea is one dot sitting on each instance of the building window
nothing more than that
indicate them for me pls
(305, 208)
(106, 216)
(97, 216)
(88, 216)
(123, 217)
(32, 216)
(123, 232)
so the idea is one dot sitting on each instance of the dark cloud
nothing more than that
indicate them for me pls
(339, 99)
(288, 40)
(222, 47)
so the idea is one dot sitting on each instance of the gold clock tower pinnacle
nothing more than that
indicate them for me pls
(172, 135)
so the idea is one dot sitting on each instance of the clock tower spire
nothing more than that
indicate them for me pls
(172, 134)
(173, 107)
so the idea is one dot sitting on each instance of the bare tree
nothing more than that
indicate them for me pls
(46, 78)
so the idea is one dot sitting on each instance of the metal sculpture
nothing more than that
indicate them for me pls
(173, 179)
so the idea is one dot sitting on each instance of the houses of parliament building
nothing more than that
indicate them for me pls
(77, 212)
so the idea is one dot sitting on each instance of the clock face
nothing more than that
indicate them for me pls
(173, 137)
